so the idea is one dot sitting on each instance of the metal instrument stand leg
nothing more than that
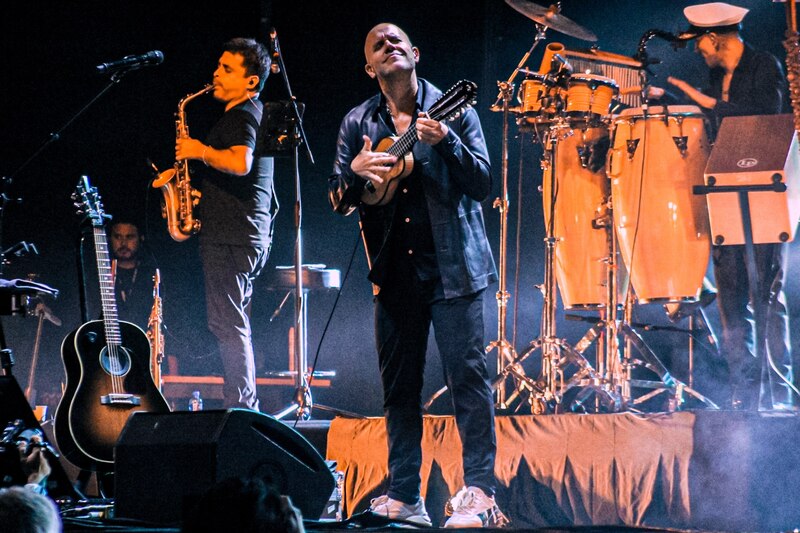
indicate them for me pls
(669, 383)
(557, 354)
(608, 385)
(505, 350)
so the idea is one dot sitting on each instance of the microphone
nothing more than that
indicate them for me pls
(155, 57)
(275, 50)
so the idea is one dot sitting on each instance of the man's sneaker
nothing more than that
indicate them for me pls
(471, 507)
(397, 510)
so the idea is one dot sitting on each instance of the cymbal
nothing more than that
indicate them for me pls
(551, 18)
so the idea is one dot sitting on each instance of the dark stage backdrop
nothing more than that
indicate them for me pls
(50, 50)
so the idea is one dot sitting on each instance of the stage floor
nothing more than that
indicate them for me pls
(691, 470)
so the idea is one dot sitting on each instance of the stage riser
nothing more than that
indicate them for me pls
(718, 470)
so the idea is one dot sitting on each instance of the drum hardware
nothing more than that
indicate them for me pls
(698, 325)
(505, 350)
(551, 17)
(506, 355)
(698, 322)
(680, 143)
(507, 86)
(631, 145)
(558, 357)
(667, 383)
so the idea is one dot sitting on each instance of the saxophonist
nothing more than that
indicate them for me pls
(237, 191)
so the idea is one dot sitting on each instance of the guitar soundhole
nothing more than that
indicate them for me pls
(118, 364)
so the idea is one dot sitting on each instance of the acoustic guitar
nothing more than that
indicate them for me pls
(107, 365)
(447, 107)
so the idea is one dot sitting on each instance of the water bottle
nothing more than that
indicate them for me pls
(196, 402)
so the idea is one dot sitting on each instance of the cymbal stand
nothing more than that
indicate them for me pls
(501, 96)
(505, 350)
(506, 354)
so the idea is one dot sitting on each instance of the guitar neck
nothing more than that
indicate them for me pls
(107, 295)
(404, 143)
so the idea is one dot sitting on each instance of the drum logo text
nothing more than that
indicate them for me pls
(747, 162)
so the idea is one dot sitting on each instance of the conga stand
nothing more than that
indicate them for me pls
(667, 382)
(557, 354)
(612, 377)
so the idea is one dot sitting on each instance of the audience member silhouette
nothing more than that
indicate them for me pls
(25, 511)
(244, 505)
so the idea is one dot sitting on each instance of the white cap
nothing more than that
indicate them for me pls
(714, 14)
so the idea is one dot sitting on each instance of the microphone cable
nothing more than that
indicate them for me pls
(328, 322)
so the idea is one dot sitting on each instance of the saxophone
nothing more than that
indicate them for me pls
(179, 196)
(154, 332)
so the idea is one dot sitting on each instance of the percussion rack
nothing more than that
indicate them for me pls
(553, 104)
(610, 384)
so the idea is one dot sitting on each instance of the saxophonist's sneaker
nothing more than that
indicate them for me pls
(471, 507)
(397, 510)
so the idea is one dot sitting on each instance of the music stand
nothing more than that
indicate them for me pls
(285, 135)
(282, 132)
(760, 173)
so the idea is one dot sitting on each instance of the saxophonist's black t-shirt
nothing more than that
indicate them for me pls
(236, 209)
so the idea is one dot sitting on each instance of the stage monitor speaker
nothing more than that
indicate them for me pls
(14, 406)
(164, 462)
(755, 150)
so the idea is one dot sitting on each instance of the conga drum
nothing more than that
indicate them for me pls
(662, 227)
(574, 201)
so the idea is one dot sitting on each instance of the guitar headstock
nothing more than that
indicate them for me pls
(87, 200)
(454, 101)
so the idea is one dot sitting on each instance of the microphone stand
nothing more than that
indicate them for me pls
(303, 402)
(5, 181)
(115, 78)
